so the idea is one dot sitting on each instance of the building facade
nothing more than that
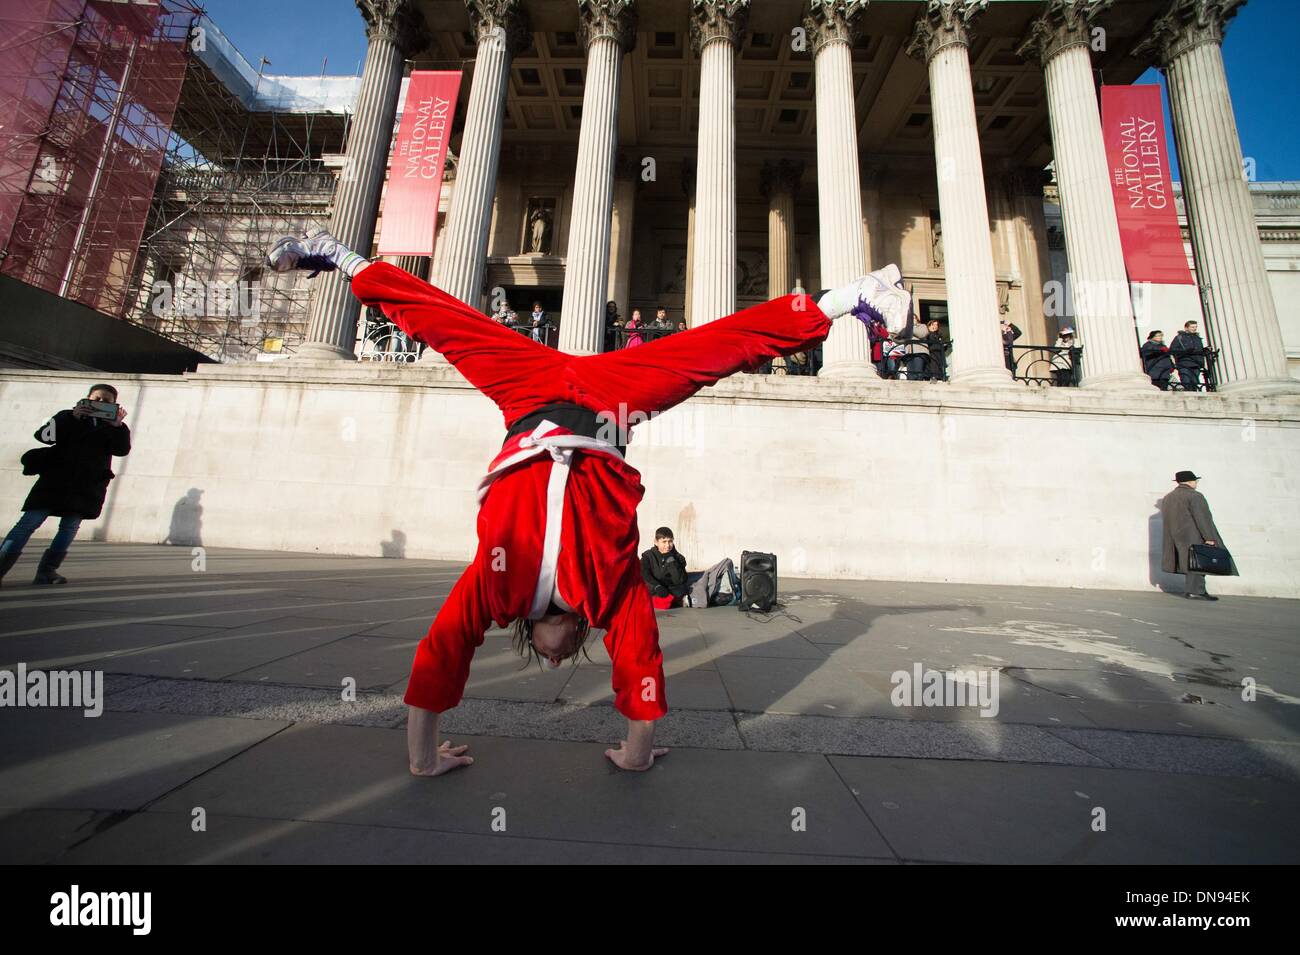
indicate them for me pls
(706, 155)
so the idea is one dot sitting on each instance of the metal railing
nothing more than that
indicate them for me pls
(384, 341)
(1201, 378)
(548, 335)
(914, 359)
(1045, 366)
(621, 336)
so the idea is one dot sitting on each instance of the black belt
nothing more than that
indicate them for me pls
(575, 418)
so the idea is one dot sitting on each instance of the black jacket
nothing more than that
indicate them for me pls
(74, 479)
(664, 574)
(1188, 349)
(1156, 360)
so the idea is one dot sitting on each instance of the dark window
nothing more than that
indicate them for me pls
(530, 77)
(788, 116)
(799, 81)
(663, 38)
(573, 76)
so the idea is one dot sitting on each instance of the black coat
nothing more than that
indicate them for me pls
(664, 574)
(1156, 360)
(74, 479)
(1188, 350)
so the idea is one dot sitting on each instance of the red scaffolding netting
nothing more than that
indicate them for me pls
(88, 89)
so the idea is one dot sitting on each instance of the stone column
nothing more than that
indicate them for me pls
(688, 187)
(717, 27)
(832, 26)
(779, 181)
(942, 37)
(1239, 309)
(608, 30)
(1029, 245)
(621, 230)
(1058, 39)
(502, 30)
(417, 265)
(396, 31)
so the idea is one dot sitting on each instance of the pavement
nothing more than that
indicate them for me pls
(1129, 728)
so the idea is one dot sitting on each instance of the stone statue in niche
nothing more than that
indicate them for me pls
(539, 226)
(936, 240)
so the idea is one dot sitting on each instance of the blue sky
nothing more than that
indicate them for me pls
(1260, 54)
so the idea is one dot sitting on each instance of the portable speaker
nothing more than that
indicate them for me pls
(757, 581)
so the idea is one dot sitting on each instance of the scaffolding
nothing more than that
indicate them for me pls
(145, 168)
(246, 163)
(87, 93)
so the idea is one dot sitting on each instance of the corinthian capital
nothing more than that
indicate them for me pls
(1186, 25)
(779, 176)
(833, 21)
(607, 18)
(506, 19)
(396, 21)
(1062, 25)
(718, 20)
(943, 23)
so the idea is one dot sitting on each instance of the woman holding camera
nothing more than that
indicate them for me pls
(74, 475)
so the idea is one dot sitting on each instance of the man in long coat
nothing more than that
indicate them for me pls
(1187, 521)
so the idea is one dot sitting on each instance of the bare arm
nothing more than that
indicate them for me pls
(427, 757)
(633, 645)
(638, 752)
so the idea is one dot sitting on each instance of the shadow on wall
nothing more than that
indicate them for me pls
(1169, 583)
(187, 520)
(395, 547)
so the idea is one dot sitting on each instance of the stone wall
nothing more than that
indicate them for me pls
(905, 481)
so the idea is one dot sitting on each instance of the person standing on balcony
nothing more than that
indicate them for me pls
(1188, 352)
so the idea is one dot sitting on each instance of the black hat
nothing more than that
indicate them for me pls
(1184, 476)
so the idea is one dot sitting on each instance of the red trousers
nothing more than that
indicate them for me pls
(520, 376)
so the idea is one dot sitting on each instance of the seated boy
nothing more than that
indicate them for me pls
(664, 570)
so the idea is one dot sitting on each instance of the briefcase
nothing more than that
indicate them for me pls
(1209, 559)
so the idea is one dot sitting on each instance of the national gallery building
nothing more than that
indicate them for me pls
(706, 156)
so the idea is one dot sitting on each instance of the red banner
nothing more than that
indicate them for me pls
(1133, 126)
(410, 220)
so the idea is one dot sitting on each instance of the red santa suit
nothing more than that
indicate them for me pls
(557, 509)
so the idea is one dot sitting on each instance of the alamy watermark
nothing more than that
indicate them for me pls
(75, 907)
(956, 687)
(678, 430)
(56, 688)
(1076, 296)
(192, 298)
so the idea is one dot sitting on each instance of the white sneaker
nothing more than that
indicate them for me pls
(882, 293)
(320, 252)
(889, 275)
